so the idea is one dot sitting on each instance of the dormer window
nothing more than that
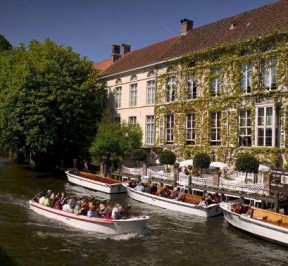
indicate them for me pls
(133, 78)
(151, 74)
(118, 81)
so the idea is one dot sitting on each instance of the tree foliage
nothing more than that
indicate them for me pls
(115, 139)
(4, 44)
(247, 163)
(139, 155)
(50, 102)
(167, 157)
(201, 161)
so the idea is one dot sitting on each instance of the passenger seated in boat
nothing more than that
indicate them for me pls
(67, 207)
(147, 187)
(215, 198)
(57, 203)
(208, 199)
(202, 202)
(83, 207)
(119, 214)
(139, 187)
(174, 194)
(108, 213)
(63, 198)
(91, 212)
(165, 192)
(77, 208)
(42, 199)
(181, 195)
(133, 183)
(114, 210)
(153, 188)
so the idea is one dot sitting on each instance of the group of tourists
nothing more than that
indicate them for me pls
(82, 205)
(176, 193)
(162, 190)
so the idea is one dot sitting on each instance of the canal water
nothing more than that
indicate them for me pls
(27, 238)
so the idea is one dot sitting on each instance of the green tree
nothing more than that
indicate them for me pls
(201, 161)
(4, 44)
(139, 155)
(247, 163)
(115, 139)
(167, 157)
(50, 102)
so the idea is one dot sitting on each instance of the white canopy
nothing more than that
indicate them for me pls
(186, 163)
(263, 168)
(220, 165)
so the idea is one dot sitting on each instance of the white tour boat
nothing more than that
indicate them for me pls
(262, 223)
(101, 225)
(190, 206)
(95, 182)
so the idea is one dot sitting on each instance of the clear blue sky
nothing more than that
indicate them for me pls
(90, 27)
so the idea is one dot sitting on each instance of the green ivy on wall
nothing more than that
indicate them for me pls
(228, 59)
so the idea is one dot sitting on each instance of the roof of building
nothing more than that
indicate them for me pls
(260, 21)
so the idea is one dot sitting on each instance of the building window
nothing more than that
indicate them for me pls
(245, 128)
(133, 94)
(151, 92)
(190, 129)
(216, 83)
(265, 127)
(171, 89)
(246, 74)
(150, 129)
(191, 88)
(215, 128)
(169, 128)
(117, 95)
(269, 74)
(132, 120)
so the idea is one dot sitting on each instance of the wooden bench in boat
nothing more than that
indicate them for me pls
(193, 199)
(270, 217)
(97, 178)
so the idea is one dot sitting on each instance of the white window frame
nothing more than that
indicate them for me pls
(191, 88)
(132, 120)
(265, 123)
(246, 77)
(171, 89)
(190, 128)
(133, 95)
(169, 128)
(118, 96)
(151, 91)
(245, 129)
(150, 130)
(215, 134)
(269, 74)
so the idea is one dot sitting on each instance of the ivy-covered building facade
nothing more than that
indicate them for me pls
(221, 88)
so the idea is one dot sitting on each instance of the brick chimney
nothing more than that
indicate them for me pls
(186, 25)
(126, 48)
(115, 52)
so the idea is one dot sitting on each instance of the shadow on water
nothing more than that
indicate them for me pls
(5, 260)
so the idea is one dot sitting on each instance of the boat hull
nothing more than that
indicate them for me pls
(106, 226)
(115, 188)
(174, 205)
(258, 228)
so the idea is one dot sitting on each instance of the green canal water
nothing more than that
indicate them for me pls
(27, 238)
